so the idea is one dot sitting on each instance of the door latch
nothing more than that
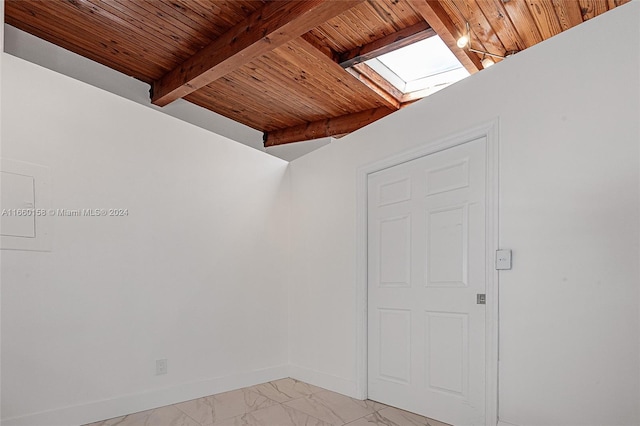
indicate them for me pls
(481, 299)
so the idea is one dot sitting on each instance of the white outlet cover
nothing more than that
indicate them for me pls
(161, 367)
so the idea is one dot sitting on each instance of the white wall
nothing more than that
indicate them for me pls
(569, 208)
(194, 274)
(33, 49)
(1, 43)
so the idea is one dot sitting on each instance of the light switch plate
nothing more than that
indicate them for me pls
(503, 259)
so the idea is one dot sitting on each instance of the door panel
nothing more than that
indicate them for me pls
(447, 351)
(447, 236)
(395, 252)
(395, 355)
(426, 264)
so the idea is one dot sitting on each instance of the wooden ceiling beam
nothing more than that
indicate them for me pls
(271, 26)
(439, 20)
(373, 75)
(389, 99)
(378, 84)
(336, 126)
(389, 43)
(330, 63)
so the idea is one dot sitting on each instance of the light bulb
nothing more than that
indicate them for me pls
(462, 41)
(487, 62)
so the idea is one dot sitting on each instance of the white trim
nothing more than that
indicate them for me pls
(323, 380)
(492, 308)
(503, 423)
(133, 403)
(490, 131)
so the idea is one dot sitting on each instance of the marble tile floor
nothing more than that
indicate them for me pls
(284, 402)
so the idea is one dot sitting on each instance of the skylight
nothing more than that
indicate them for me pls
(426, 66)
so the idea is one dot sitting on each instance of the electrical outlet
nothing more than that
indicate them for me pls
(161, 367)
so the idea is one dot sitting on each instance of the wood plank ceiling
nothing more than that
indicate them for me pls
(290, 69)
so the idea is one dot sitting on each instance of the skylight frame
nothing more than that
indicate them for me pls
(430, 83)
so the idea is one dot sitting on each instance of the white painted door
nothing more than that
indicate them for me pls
(426, 265)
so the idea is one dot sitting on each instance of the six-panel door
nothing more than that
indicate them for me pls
(426, 265)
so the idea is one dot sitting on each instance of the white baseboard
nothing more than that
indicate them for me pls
(133, 403)
(324, 380)
(503, 423)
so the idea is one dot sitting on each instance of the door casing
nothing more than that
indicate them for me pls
(490, 131)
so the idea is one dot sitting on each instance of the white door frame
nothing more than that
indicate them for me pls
(490, 131)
